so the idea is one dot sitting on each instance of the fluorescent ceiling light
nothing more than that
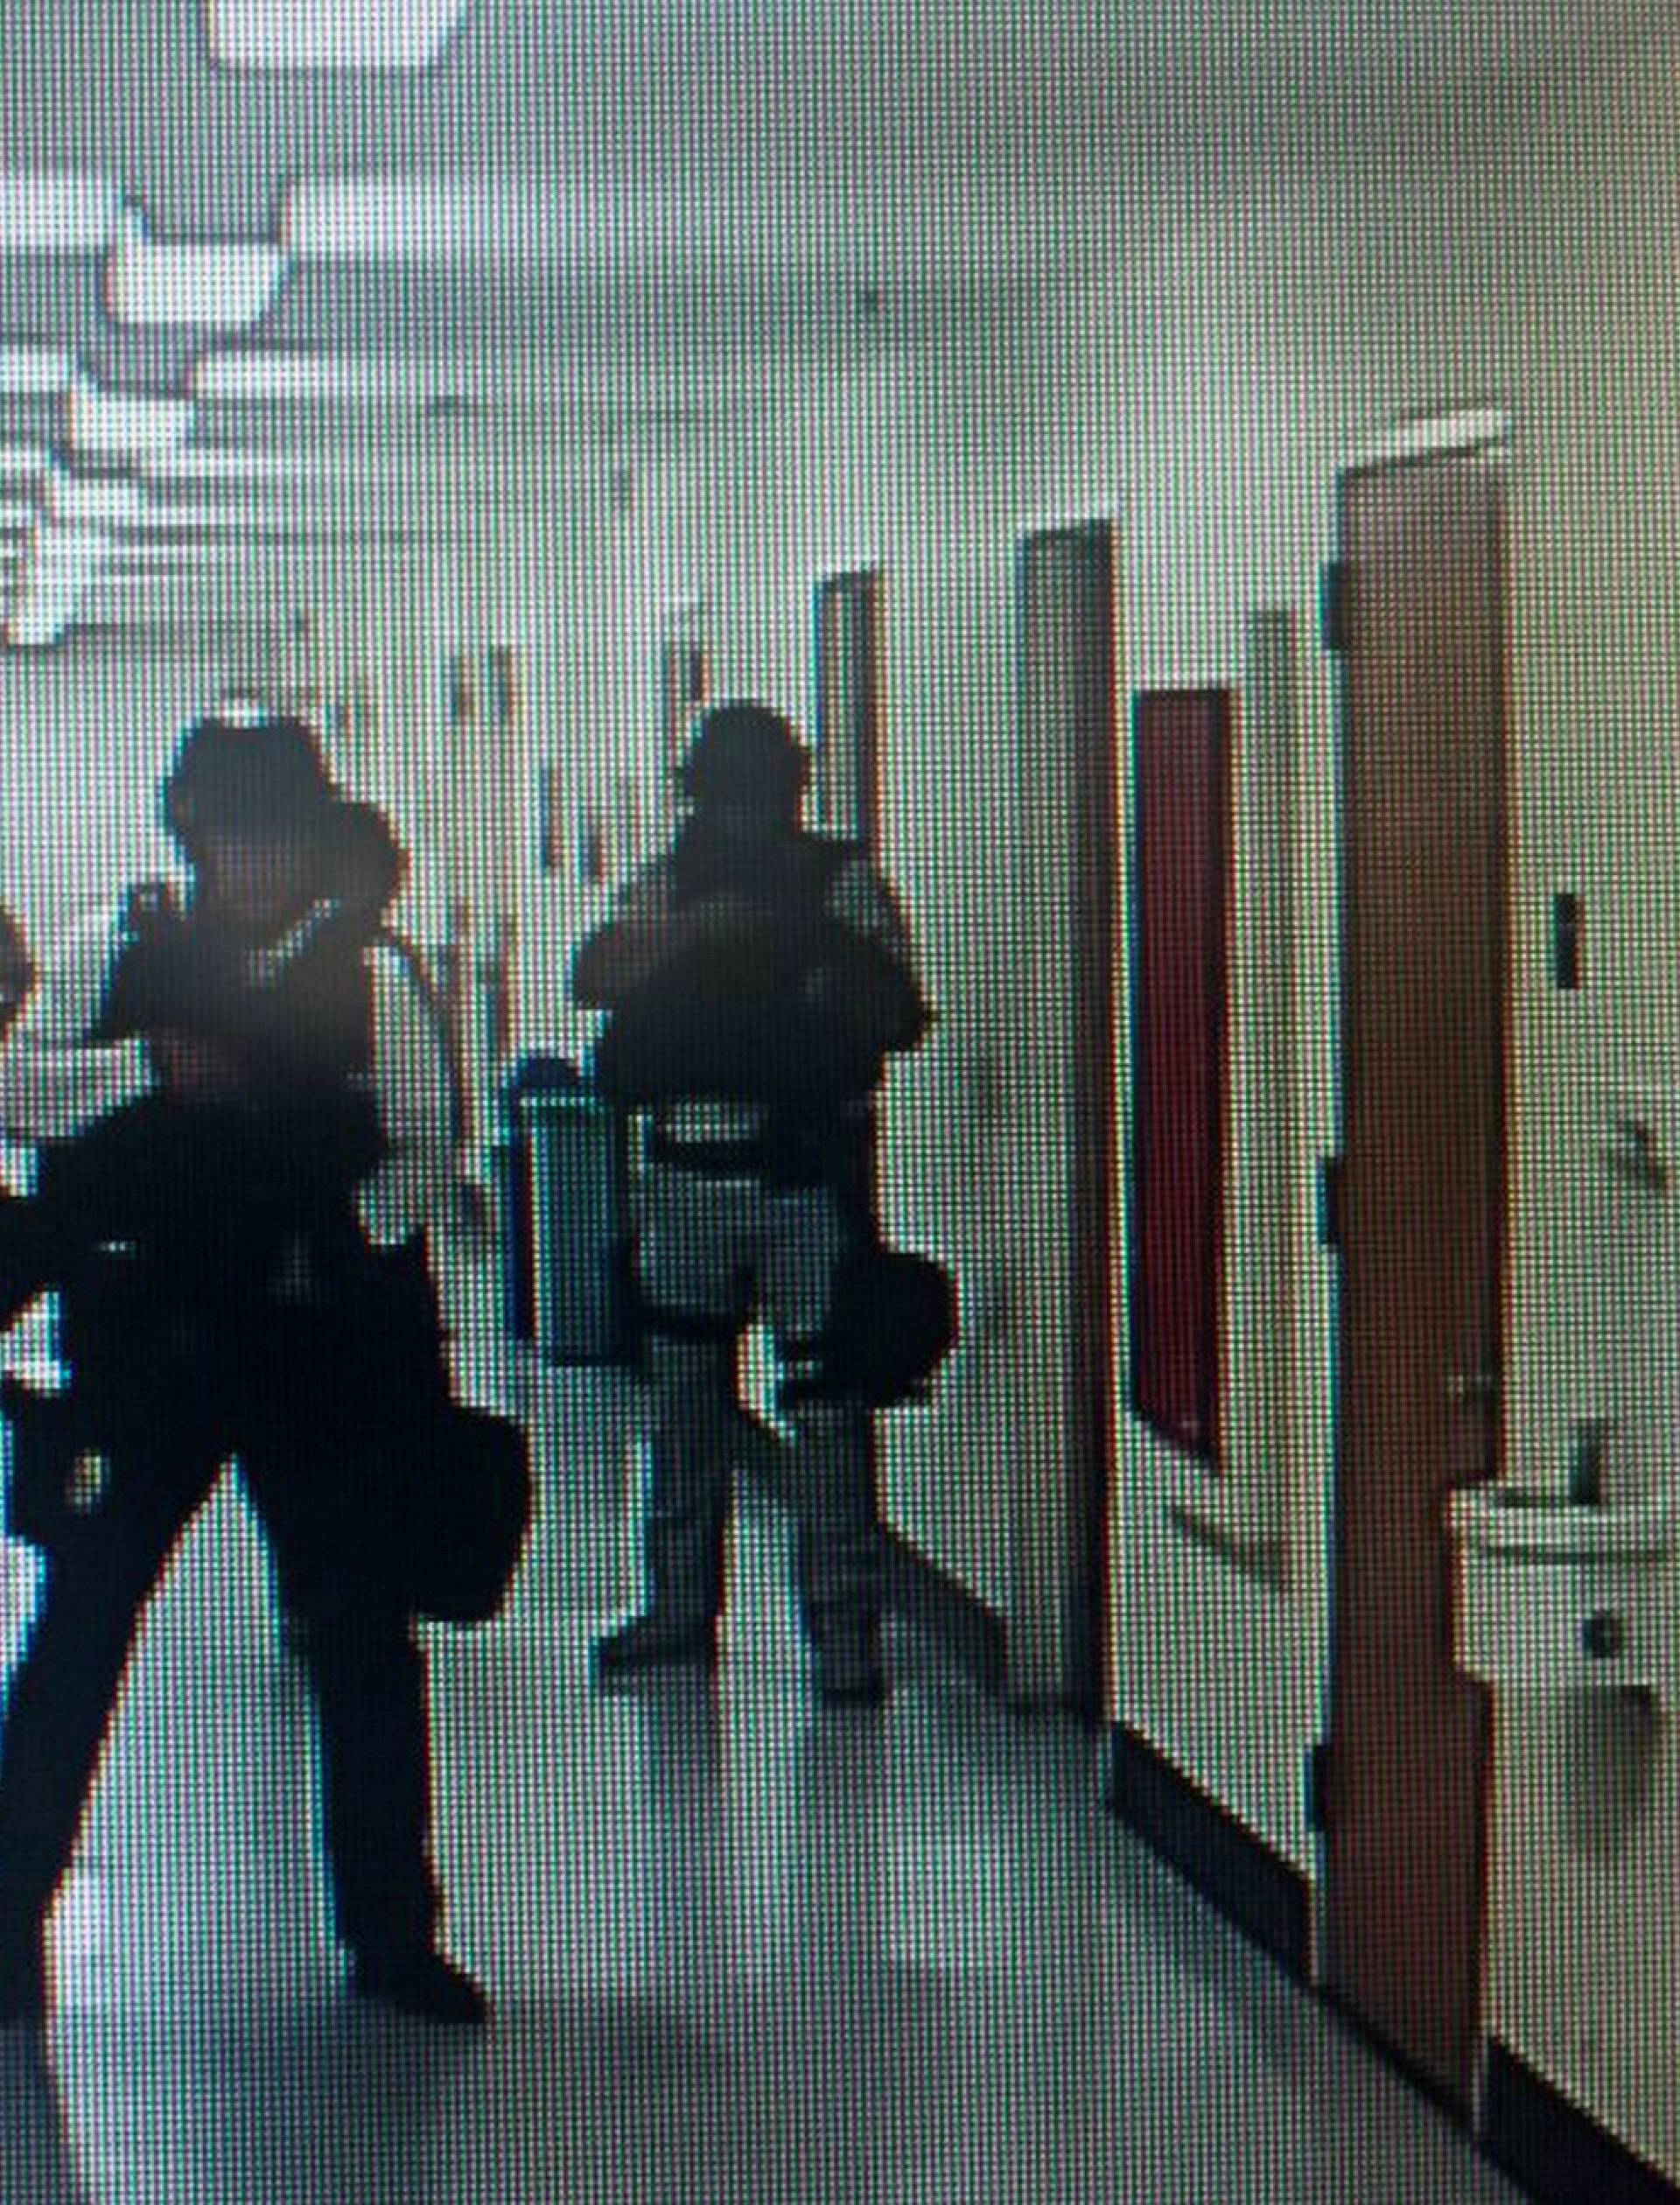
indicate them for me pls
(92, 503)
(332, 34)
(60, 553)
(271, 376)
(36, 624)
(215, 287)
(215, 518)
(125, 430)
(56, 212)
(420, 218)
(62, 566)
(35, 371)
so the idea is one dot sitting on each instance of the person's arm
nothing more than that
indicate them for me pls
(55, 1081)
(876, 978)
(414, 1089)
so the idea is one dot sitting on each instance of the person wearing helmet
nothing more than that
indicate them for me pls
(236, 1115)
(756, 978)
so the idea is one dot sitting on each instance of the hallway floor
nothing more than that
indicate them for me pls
(739, 1949)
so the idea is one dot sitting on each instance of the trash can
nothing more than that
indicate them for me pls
(532, 1075)
(580, 1221)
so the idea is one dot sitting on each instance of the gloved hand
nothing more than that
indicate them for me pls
(191, 1069)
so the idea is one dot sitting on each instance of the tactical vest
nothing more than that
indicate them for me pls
(207, 1195)
(734, 1021)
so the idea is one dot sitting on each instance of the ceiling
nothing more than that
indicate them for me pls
(637, 209)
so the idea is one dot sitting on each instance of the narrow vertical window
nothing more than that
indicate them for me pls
(1181, 863)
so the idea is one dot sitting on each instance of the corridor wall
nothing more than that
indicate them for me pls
(1223, 377)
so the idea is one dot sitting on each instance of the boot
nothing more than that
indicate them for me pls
(424, 1983)
(22, 1981)
(648, 1642)
(853, 1674)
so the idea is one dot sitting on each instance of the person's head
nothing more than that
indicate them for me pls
(253, 810)
(745, 774)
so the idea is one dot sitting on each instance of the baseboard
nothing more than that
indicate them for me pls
(971, 1632)
(1266, 1898)
(1558, 2153)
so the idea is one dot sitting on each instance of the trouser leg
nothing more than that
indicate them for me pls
(59, 1708)
(690, 1446)
(368, 1680)
(837, 1552)
(370, 1695)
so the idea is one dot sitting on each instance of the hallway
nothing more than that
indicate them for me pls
(739, 1951)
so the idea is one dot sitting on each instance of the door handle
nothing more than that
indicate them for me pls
(1473, 1389)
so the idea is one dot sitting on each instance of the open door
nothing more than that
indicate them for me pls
(848, 797)
(848, 705)
(1069, 770)
(1420, 1221)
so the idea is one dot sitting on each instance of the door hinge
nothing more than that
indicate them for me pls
(1316, 1786)
(1335, 607)
(1330, 1187)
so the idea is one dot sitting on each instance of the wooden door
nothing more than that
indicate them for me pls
(1421, 1226)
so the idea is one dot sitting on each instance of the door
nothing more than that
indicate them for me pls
(847, 637)
(1070, 784)
(848, 705)
(1421, 1226)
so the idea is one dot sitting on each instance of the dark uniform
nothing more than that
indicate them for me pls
(756, 1053)
(221, 1296)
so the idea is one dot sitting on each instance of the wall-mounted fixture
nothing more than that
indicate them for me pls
(1553, 1596)
(1568, 1581)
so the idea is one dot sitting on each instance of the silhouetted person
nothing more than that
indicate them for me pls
(757, 977)
(244, 1121)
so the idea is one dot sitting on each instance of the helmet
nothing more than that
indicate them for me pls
(745, 752)
(233, 777)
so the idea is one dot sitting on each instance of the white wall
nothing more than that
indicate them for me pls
(1221, 380)
(85, 736)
